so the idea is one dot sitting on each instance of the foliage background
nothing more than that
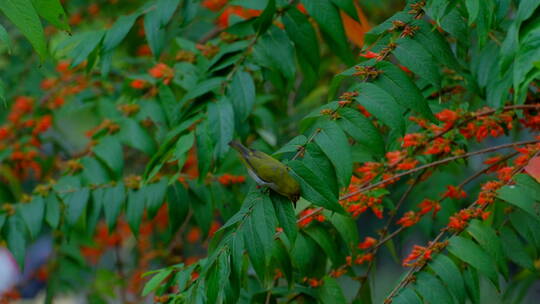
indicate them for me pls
(114, 155)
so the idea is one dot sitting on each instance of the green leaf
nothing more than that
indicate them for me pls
(331, 292)
(183, 145)
(32, 214)
(264, 21)
(88, 42)
(324, 240)
(237, 254)
(274, 51)
(514, 249)
(528, 184)
(407, 296)
(155, 196)
(177, 200)
(430, 38)
(4, 38)
(473, 7)
(14, 234)
(301, 32)
(94, 172)
(520, 198)
(402, 88)
(334, 143)
(113, 201)
(472, 283)
(166, 9)
(242, 95)
(217, 279)
(416, 58)
(170, 105)
(201, 203)
(53, 12)
(204, 149)
(362, 130)
(155, 33)
(135, 209)
(25, 18)
(75, 202)
(347, 6)
(316, 160)
(313, 188)
(382, 105)
(329, 20)
(467, 251)
(202, 88)
(346, 228)
(221, 115)
(118, 31)
(258, 231)
(155, 281)
(490, 242)
(285, 215)
(292, 146)
(137, 137)
(431, 289)
(3, 218)
(52, 213)
(450, 275)
(109, 150)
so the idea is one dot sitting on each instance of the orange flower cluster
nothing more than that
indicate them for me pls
(531, 119)
(454, 192)
(413, 140)
(223, 19)
(428, 205)
(460, 220)
(487, 193)
(418, 256)
(139, 84)
(367, 243)
(367, 172)
(410, 218)
(163, 72)
(229, 179)
(361, 202)
(104, 239)
(310, 217)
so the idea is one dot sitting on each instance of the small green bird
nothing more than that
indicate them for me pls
(268, 171)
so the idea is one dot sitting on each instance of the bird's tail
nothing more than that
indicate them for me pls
(239, 147)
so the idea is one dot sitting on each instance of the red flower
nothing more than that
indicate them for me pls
(412, 140)
(447, 116)
(454, 192)
(408, 219)
(395, 157)
(369, 55)
(367, 243)
(438, 146)
(408, 164)
(138, 84)
(419, 254)
(223, 19)
(214, 5)
(42, 124)
(163, 71)
(505, 173)
(362, 258)
(193, 235)
(429, 205)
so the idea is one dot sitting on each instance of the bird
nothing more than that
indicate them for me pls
(268, 171)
